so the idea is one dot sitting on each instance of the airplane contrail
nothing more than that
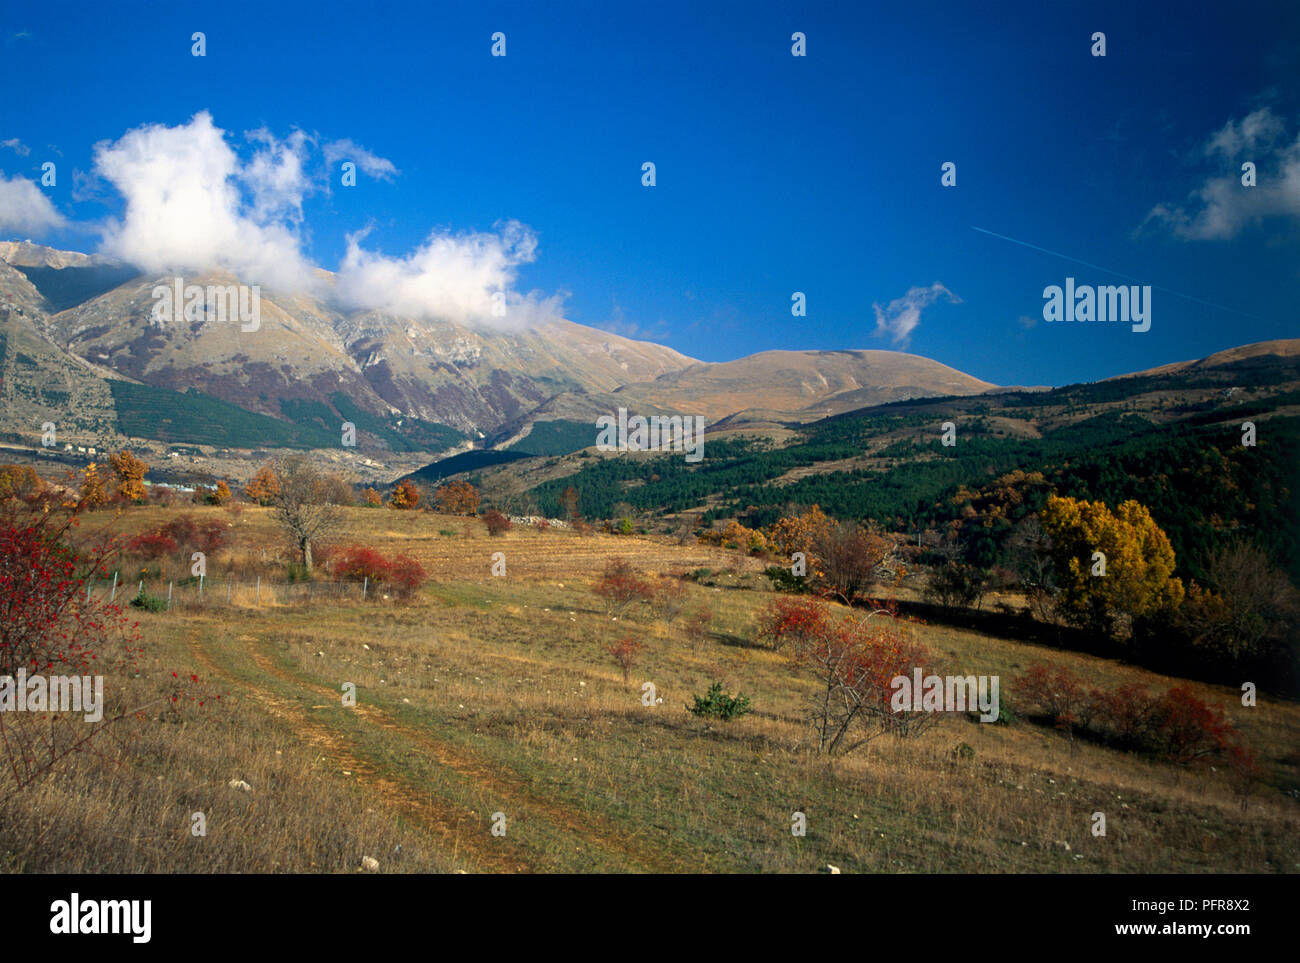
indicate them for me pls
(1128, 277)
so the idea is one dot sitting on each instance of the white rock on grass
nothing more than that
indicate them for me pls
(239, 784)
(370, 864)
(832, 870)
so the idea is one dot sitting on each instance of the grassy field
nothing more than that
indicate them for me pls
(489, 695)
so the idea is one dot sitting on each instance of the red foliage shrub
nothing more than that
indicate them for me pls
(620, 586)
(151, 545)
(1187, 728)
(210, 537)
(406, 575)
(792, 620)
(1177, 724)
(496, 522)
(698, 625)
(854, 661)
(358, 562)
(47, 622)
(182, 530)
(1057, 694)
(625, 652)
(182, 535)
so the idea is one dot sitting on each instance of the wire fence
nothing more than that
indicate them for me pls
(235, 591)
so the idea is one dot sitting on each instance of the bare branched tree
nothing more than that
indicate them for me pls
(303, 506)
(852, 558)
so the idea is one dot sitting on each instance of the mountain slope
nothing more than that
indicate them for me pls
(406, 383)
(806, 384)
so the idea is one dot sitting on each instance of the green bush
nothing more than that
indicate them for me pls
(784, 581)
(150, 603)
(719, 705)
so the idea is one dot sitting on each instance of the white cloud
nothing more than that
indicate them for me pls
(1257, 129)
(277, 177)
(17, 146)
(1222, 206)
(192, 204)
(902, 315)
(455, 277)
(372, 164)
(24, 208)
(184, 209)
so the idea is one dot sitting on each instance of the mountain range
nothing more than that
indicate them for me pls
(80, 347)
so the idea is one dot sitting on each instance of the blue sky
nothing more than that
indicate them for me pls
(775, 173)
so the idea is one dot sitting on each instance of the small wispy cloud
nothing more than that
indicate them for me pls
(1221, 207)
(370, 163)
(17, 146)
(901, 316)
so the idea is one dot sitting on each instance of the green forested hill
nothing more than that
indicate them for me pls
(1171, 442)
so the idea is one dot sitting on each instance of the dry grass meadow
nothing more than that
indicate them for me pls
(492, 695)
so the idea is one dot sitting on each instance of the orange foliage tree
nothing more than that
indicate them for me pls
(457, 498)
(799, 533)
(264, 486)
(405, 495)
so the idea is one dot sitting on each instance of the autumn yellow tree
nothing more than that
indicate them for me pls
(373, 498)
(457, 498)
(221, 494)
(264, 486)
(1111, 567)
(405, 495)
(93, 492)
(128, 476)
